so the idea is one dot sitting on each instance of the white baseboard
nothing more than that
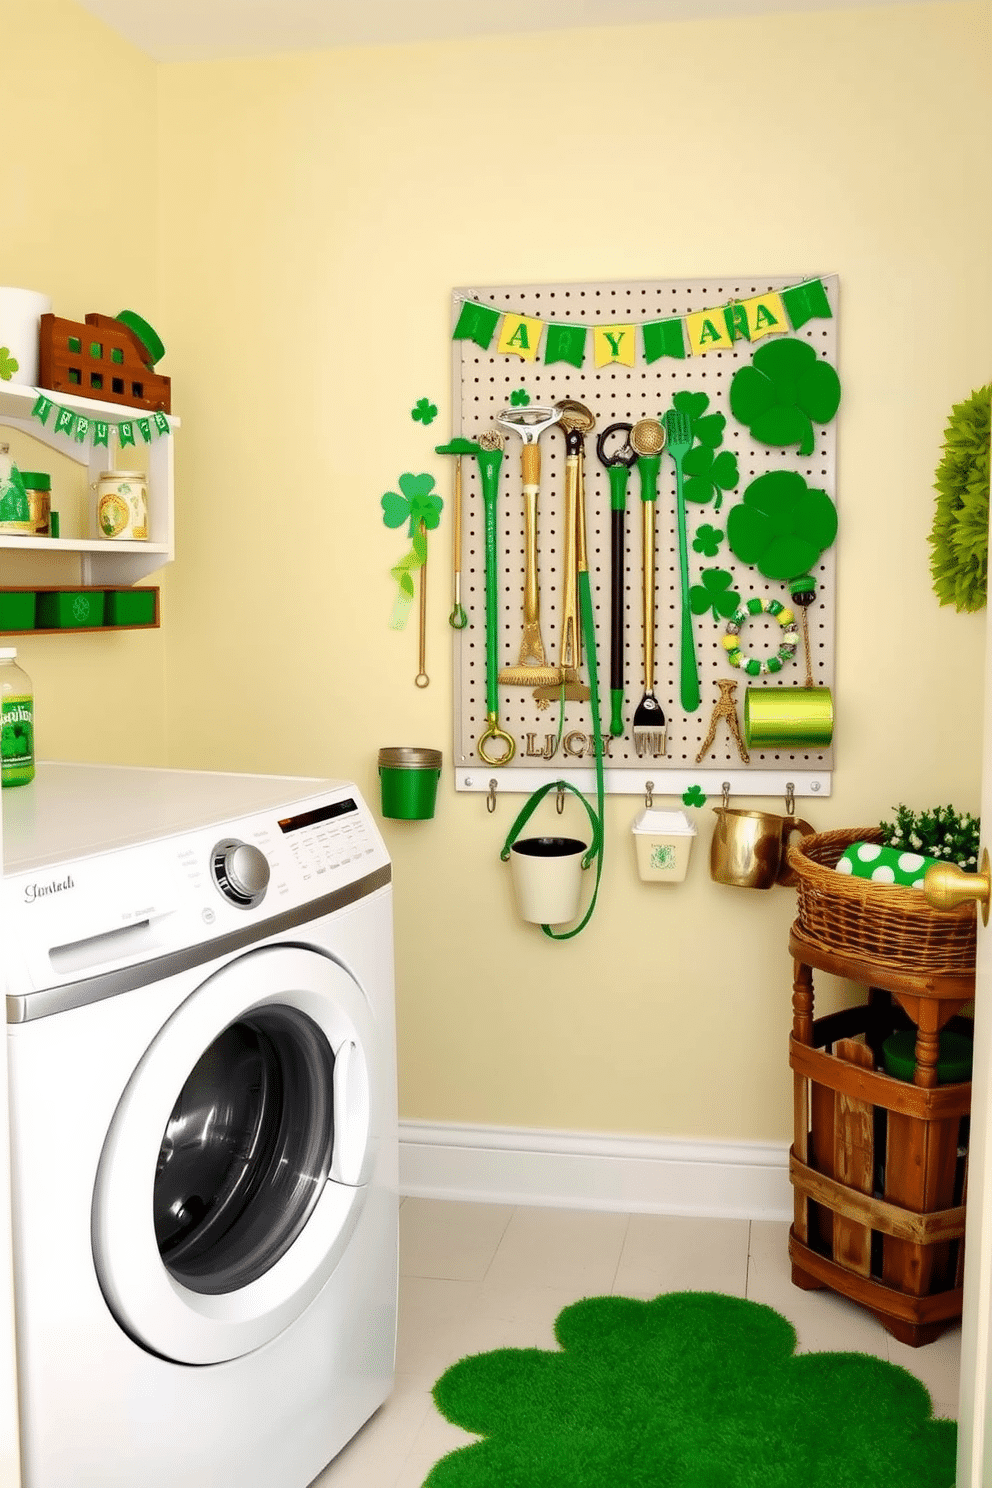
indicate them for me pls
(574, 1170)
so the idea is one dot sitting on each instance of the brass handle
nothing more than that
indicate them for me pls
(945, 886)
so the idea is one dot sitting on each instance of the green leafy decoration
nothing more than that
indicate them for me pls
(416, 504)
(519, 398)
(707, 474)
(785, 389)
(8, 364)
(687, 1390)
(959, 537)
(693, 796)
(782, 526)
(424, 411)
(714, 593)
(707, 540)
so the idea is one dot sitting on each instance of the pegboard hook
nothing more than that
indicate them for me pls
(560, 798)
(790, 798)
(726, 794)
(491, 798)
(649, 793)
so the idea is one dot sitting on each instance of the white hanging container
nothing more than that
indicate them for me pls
(663, 841)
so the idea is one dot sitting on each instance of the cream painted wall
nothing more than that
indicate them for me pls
(301, 223)
(315, 213)
(79, 211)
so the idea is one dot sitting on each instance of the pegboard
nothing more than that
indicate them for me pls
(483, 384)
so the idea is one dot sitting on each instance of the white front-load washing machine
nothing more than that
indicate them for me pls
(201, 1042)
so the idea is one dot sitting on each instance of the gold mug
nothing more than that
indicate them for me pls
(748, 850)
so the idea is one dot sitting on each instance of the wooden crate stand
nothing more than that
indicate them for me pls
(878, 1165)
(99, 358)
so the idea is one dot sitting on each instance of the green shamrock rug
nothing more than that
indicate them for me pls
(690, 1390)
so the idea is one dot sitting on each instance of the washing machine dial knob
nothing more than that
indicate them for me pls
(241, 872)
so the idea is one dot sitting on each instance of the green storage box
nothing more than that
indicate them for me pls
(130, 606)
(70, 609)
(953, 1061)
(17, 609)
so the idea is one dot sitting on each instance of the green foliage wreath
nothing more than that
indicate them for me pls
(959, 537)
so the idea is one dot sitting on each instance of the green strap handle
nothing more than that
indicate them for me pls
(531, 806)
(597, 816)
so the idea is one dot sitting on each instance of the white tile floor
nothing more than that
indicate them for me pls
(482, 1276)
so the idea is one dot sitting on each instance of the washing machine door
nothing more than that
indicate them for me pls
(237, 1161)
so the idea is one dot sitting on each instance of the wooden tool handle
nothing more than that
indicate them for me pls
(530, 464)
(569, 578)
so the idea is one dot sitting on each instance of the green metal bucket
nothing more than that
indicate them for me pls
(408, 780)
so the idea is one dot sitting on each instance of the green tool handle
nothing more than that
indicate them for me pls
(618, 475)
(489, 463)
(689, 676)
(648, 467)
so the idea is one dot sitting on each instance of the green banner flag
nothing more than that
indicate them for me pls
(82, 428)
(663, 338)
(161, 422)
(125, 433)
(101, 432)
(145, 429)
(565, 343)
(65, 421)
(806, 302)
(42, 408)
(476, 323)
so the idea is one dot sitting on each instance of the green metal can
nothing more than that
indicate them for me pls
(408, 780)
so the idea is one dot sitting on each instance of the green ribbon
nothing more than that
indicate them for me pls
(403, 573)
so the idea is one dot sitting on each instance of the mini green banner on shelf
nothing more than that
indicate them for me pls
(79, 428)
(776, 312)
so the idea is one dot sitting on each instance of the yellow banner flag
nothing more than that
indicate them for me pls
(614, 343)
(519, 335)
(765, 314)
(707, 332)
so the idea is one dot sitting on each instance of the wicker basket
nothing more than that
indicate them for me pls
(885, 923)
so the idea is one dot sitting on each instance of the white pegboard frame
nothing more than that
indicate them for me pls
(482, 385)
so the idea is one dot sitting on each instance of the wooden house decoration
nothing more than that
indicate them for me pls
(102, 359)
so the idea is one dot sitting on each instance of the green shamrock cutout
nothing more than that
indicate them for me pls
(693, 796)
(519, 398)
(782, 525)
(416, 504)
(714, 593)
(424, 411)
(785, 390)
(8, 364)
(707, 473)
(689, 1390)
(707, 540)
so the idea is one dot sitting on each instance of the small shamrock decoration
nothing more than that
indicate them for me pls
(714, 593)
(707, 540)
(785, 390)
(707, 473)
(424, 411)
(519, 398)
(8, 364)
(782, 525)
(693, 796)
(415, 505)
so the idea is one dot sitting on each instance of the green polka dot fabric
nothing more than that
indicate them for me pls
(885, 865)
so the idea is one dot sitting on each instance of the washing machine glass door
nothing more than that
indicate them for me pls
(238, 1158)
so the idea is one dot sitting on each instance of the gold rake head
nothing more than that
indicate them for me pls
(491, 439)
(647, 437)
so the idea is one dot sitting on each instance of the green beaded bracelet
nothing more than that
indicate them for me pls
(785, 652)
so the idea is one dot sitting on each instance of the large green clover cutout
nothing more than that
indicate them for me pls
(8, 364)
(689, 1390)
(782, 525)
(785, 390)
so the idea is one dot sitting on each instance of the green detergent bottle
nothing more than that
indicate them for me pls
(16, 721)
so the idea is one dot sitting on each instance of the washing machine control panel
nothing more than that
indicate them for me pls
(105, 911)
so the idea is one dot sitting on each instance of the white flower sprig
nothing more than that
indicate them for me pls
(940, 832)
